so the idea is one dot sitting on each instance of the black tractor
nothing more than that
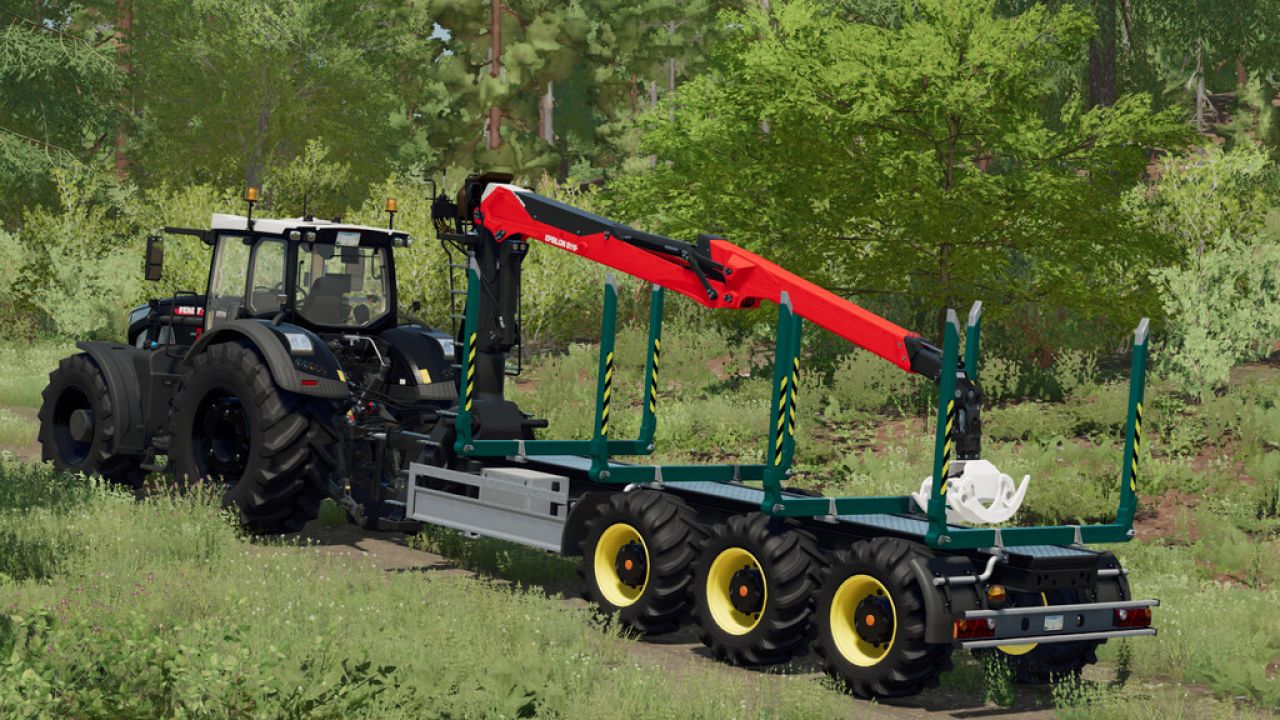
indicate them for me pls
(295, 372)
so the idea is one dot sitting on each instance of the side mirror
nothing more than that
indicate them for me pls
(155, 257)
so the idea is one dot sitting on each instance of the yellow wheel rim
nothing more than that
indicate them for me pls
(614, 538)
(723, 613)
(844, 605)
(1024, 648)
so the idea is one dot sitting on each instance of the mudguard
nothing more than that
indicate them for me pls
(943, 604)
(422, 359)
(299, 361)
(116, 362)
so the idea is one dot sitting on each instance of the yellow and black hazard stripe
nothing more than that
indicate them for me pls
(795, 394)
(1137, 446)
(608, 391)
(653, 379)
(780, 425)
(471, 372)
(946, 445)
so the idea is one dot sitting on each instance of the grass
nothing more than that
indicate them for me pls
(1217, 571)
(193, 620)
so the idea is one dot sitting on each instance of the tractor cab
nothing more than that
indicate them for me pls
(326, 277)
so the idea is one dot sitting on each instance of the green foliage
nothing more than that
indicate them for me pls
(997, 680)
(1223, 301)
(915, 161)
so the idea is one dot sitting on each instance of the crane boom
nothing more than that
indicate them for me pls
(495, 221)
(715, 272)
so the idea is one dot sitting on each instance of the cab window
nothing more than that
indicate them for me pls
(247, 279)
(342, 286)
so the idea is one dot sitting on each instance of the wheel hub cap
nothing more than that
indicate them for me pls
(873, 619)
(746, 590)
(80, 424)
(630, 564)
(221, 436)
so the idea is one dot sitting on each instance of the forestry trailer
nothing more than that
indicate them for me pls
(298, 377)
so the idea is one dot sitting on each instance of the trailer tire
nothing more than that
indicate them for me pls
(276, 452)
(641, 530)
(877, 573)
(754, 585)
(78, 432)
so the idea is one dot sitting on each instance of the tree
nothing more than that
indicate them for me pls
(59, 90)
(233, 90)
(912, 161)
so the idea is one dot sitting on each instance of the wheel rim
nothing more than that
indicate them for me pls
(1023, 648)
(621, 565)
(73, 426)
(737, 591)
(220, 436)
(858, 619)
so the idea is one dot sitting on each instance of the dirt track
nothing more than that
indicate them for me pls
(680, 649)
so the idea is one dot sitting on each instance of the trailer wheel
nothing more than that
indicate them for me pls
(754, 584)
(870, 622)
(276, 452)
(1038, 664)
(77, 425)
(637, 557)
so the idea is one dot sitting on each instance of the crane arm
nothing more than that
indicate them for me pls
(713, 272)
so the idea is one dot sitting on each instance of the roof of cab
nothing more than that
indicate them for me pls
(270, 226)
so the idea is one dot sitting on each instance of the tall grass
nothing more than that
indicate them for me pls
(161, 609)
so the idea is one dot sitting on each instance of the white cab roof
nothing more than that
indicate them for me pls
(269, 226)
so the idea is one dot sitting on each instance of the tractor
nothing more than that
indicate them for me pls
(273, 384)
(297, 377)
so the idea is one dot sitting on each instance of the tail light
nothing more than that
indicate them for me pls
(1132, 617)
(973, 629)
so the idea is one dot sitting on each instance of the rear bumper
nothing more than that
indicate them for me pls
(1055, 623)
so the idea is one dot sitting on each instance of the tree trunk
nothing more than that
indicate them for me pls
(1102, 56)
(1200, 93)
(1242, 77)
(495, 69)
(546, 112)
(123, 30)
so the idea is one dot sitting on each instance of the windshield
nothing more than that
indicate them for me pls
(342, 286)
(247, 279)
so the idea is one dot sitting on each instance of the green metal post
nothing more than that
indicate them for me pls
(1133, 429)
(971, 342)
(649, 420)
(783, 367)
(604, 381)
(937, 534)
(462, 422)
(789, 443)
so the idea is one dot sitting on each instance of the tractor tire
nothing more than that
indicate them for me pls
(77, 425)
(884, 655)
(754, 586)
(277, 453)
(1040, 664)
(637, 559)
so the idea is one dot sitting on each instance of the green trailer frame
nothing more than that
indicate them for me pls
(779, 451)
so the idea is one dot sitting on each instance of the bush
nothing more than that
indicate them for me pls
(1223, 298)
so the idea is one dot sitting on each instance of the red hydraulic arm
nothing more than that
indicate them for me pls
(715, 272)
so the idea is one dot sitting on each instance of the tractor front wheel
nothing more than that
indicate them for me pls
(276, 453)
(78, 431)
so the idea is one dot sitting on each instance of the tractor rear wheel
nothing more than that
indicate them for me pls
(276, 452)
(753, 587)
(637, 559)
(78, 432)
(870, 622)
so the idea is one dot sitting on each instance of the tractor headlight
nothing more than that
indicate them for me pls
(299, 344)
